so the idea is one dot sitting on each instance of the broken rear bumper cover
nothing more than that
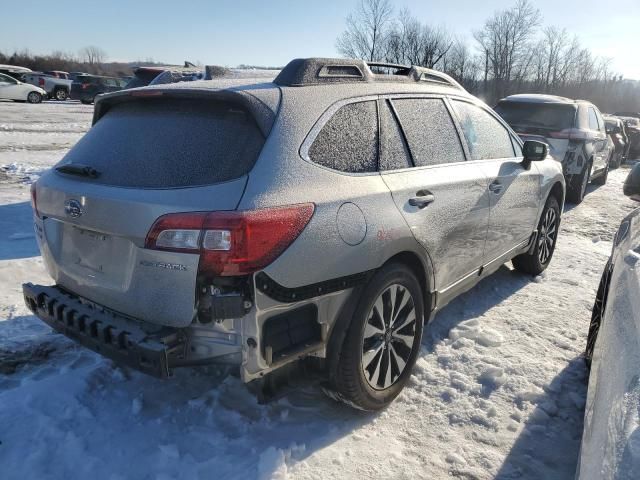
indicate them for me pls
(148, 348)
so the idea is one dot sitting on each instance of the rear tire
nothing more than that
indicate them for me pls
(538, 260)
(602, 179)
(382, 341)
(85, 102)
(61, 94)
(578, 185)
(34, 97)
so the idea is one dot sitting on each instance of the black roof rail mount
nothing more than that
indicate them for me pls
(317, 71)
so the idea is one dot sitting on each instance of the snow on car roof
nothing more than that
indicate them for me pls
(15, 69)
(537, 98)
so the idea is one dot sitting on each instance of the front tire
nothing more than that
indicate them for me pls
(538, 260)
(34, 97)
(382, 341)
(602, 179)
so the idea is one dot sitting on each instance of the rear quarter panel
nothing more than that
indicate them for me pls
(282, 177)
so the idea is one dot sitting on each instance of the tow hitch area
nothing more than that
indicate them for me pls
(148, 348)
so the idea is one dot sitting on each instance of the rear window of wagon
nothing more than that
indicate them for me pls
(169, 143)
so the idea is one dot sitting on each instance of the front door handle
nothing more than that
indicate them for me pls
(496, 187)
(422, 200)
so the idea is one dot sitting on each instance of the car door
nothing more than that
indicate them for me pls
(514, 190)
(443, 199)
(599, 140)
(606, 142)
(10, 89)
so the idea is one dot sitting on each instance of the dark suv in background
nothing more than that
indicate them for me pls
(86, 87)
(574, 130)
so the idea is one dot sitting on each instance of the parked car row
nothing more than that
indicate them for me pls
(396, 193)
(631, 122)
(59, 85)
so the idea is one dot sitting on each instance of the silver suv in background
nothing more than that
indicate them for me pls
(574, 130)
(330, 214)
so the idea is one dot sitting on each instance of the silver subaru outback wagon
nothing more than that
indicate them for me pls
(328, 214)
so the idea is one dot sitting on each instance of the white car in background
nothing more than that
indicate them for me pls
(12, 89)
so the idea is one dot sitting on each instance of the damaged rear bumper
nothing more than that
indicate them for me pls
(148, 348)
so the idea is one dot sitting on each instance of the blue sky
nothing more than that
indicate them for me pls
(271, 32)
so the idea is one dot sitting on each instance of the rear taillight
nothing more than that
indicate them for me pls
(34, 200)
(231, 243)
(41, 82)
(84, 86)
(570, 134)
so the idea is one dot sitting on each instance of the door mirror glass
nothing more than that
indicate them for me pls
(534, 151)
(632, 184)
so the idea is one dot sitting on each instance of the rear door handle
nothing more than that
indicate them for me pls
(422, 200)
(496, 187)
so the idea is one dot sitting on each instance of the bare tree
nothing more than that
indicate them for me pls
(505, 40)
(366, 30)
(93, 55)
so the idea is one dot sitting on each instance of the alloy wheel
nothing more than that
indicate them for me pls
(548, 232)
(389, 336)
(33, 97)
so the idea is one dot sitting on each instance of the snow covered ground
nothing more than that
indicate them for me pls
(498, 391)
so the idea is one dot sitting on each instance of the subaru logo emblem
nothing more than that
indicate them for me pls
(73, 208)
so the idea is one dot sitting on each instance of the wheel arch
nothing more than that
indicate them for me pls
(420, 269)
(420, 265)
(558, 191)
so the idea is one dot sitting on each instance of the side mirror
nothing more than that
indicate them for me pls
(534, 151)
(631, 186)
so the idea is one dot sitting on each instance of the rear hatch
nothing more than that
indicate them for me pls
(146, 157)
(546, 122)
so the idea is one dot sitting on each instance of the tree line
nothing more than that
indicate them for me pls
(512, 52)
(90, 59)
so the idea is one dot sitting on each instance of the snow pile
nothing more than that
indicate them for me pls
(498, 390)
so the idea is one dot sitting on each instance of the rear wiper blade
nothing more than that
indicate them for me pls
(77, 169)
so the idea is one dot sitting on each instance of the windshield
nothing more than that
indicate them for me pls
(539, 115)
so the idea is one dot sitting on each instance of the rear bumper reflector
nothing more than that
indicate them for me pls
(151, 350)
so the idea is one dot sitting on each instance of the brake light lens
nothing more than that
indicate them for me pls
(84, 86)
(571, 134)
(41, 82)
(231, 243)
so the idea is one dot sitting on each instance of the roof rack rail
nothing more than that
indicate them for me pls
(317, 71)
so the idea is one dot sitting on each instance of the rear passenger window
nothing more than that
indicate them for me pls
(593, 120)
(394, 152)
(349, 140)
(486, 137)
(430, 132)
